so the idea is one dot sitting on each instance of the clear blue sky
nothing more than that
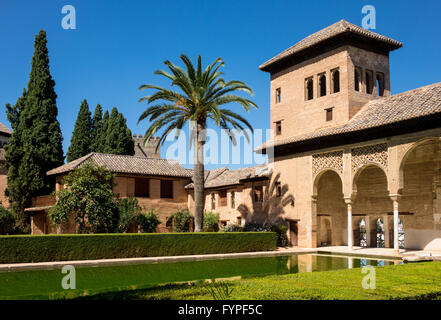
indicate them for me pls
(118, 44)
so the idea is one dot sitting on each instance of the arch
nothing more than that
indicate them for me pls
(363, 168)
(408, 153)
(309, 88)
(322, 85)
(335, 81)
(379, 233)
(317, 177)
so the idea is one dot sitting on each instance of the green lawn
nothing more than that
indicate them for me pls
(408, 281)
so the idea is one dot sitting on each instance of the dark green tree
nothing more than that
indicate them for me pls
(97, 124)
(101, 138)
(118, 138)
(36, 143)
(13, 156)
(81, 141)
(88, 200)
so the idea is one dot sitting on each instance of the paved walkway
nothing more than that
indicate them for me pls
(385, 253)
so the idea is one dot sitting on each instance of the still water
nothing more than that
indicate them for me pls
(44, 284)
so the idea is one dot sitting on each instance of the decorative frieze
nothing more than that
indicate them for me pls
(328, 160)
(362, 156)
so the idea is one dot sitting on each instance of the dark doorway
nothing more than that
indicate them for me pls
(293, 233)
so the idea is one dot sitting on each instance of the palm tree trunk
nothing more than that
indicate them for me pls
(198, 177)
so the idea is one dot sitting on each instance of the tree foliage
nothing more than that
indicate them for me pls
(81, 141)
(36, 143)
(202, 95)
(88, 200)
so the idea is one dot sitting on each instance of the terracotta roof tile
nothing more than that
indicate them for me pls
(4, 129)
(421, 102)
(333, 30)
(128, 164)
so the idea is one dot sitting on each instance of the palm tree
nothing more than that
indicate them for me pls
(202, 95)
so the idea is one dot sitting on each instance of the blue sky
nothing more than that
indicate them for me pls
(119, 44)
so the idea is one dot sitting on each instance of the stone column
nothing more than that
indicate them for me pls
(348, 202)
(395, 198)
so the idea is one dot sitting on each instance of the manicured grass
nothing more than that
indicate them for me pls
(28, 248)
(408, 281)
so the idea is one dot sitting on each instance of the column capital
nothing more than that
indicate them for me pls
(348, 200)
(395, 196)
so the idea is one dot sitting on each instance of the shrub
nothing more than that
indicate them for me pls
(211, 222)
(233, 228)
(88, 200)
(181, 221)
(280, 230)
(129, 210)
(148, 221)
(7, 221)
(28, 248)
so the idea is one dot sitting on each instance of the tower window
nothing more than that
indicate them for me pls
(309, 89)
(329, 114)
(233, 199)
(223, 198)
(369, 82)
(278, 127)
(335, 81)
(278, 95)
(357, 79)
(380, 84)
(322, 85)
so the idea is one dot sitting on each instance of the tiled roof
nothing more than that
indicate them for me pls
(333, 30)
(5, 130)
(128, 164)
(417, 103)
(224, 177)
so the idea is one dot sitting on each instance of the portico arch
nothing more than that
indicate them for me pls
(420, 189)
(328, 190)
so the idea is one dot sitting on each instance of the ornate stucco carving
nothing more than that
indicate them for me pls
(328, 160)
(376, 153)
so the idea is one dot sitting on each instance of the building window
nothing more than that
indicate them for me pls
(278, 95)
(142, 187)
(233, 199)
(322, 85)
(380, 84)
(213, 201)
(357, 79)
(223, 198)
(278, 189)
(258, 193)
(335, 87)
(278, 128)
(369, 82)
(329, 114)
(167, 189)
(309, 89)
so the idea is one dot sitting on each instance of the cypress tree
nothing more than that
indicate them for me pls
(40, 130)
(97, 124)
(14, 156)
(80, 143)
(118, 138)
(101, 139)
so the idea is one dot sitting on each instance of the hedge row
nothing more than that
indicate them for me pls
(27, 248)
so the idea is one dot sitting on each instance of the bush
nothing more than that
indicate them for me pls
(280, 230)
(211, 222)
(28, 248)
(233, 228)
(129, 210)
(7, 221)
(181, 221)
(148, 221)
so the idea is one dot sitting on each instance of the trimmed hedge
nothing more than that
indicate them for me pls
(41, 248)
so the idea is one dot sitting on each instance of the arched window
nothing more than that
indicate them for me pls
(309, 88)
(380, 84)
(335, 81)
(322, 85)
(369, 82)
(357, 79)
